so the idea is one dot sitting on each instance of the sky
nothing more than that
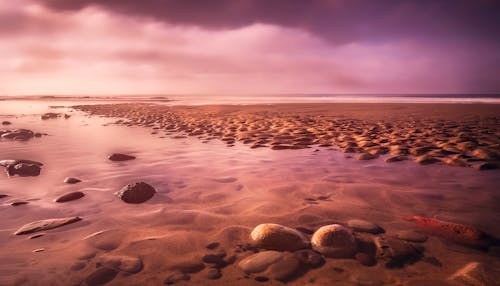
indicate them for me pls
(113, 47)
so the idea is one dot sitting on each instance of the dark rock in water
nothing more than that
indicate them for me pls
(69, 197)
(189, 266)
(364, 226)
(334, 241)
(136, 193)
(396, 252)
(71, 180)
(459, 233)
(46, 224)
(476, 274)
(19, 203)
(120, 157)
(284, 270)
(309, 258)
(176, 277)
(101, 276)
(3, 196)
(18, 134)
(6, 123)
(24, 170)
(212, 245)
(365, 259)
(214, 273)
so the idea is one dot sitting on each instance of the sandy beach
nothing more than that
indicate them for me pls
(414, 186)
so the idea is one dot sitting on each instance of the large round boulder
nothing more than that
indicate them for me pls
(334, 241)
(136, 193)
(277, 237)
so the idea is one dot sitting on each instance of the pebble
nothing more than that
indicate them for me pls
(278, 237)
(334, 241)
(71, 180)
(212, 245)
(19, 203)
(260, 261)
(214, 273)
(396, 252)
(136, 193)
(69, 197)
(214, 258)
(364, 226)
(120, 157)
(6, 123)
(46, 224)
(410, 235)
(101, 276)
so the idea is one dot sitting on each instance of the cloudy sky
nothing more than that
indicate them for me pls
(249, 46)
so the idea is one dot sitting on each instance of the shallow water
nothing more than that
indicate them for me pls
(210, 192)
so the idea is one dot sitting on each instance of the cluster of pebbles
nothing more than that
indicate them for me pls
(471, 142)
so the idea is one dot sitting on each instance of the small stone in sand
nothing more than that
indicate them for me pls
(334, 241)
(364, 226)
(19, 203)
(278, 237)
(120, 157)
(46, 224)
(71, 180)
(136, 193)
(212, 245)
(396, 252)
(69, 197)
(6, 123)
(101, 276)
(36, 235)
(213, 273)
(214, 258)
(410, 235)
(259, 262)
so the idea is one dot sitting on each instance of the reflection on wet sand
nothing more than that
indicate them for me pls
(209, 214)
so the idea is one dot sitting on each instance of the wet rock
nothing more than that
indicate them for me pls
(46, 224)
(214, 273)
(19, 203)
(120, 157)
(71, 180)
(277, 237)
(100, 277)
(23, 170)
(49, 115)
(365, 259)
(6, 122)
(410, 235)
(18, 134)
(397, 158)
(136, 193)
(176, 277)
(396, 252)
(309, 258)
(459, 233)
(364, 226)
(334, 241)
(122, 263)
(476, 274)
(3, 196)
(259, 262)
(366, 156)
(188, 266)
(284, 270)
(6, 163)
(426, 160)
(69, 197)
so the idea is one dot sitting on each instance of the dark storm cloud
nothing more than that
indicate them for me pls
(339, 21)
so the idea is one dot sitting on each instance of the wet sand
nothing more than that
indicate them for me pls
(213, 187)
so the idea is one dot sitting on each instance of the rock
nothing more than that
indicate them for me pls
(260, 261)
(278, 237)
(364, 226)
(212, 245)
(3, 196)
(309, 258)
(485, 166)
(396, 252)
(476, 274)
(136, 193)
(6, 123)
(214, 273)
(69, 197)
(71, 180)
(120, 157)
(261, 279)
(410, 235)
(214, 258)
(77, 266)
(176, 277)
(334, 241)
(18, 134)
(122, 263)
(365, 259)
(19, 203)
(101, 276)
(36, 235)
(49, 115)
(396, 158)
(366, 156)
(188, 266)
(46, 224)
(426, 160)
(284, 270)
(6, 163)
(459, 233)
(23, 170)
